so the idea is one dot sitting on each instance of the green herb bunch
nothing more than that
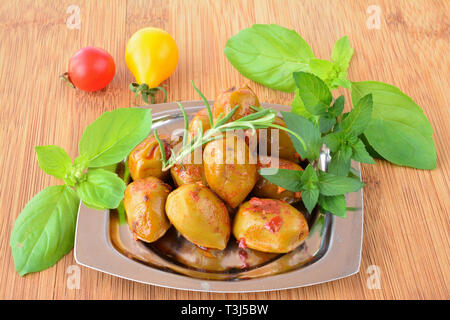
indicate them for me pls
(45, 229)
(397, 130)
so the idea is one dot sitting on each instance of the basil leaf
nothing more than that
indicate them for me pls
(53, 160)
(333, 185)
(340, 161)
(357, 120)
(313, 91)
(369, 148)
(111, 137)
(310, 197)
(321, 68)
(399, 130)
(44, 230)
(342, 54)
(342, 81)
(307, 131)
(269, 54)
(334, 204)
(102, 189)
(287, 179)
(360, 153)
(338, 106)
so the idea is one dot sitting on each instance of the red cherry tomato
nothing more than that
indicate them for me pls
(91, 69)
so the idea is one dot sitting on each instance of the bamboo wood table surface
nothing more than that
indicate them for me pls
(406, 211)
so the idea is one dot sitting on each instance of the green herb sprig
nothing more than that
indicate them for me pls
(260, 119)
(45, 229)
(398, 130)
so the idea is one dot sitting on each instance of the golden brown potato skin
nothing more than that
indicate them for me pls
(199, 215)
(231, 180)
(266, 189)
(145, 159)
(188, 173)
(286, 148)
(200, 118)
(144, 203)
(269, 225)
(227, 100)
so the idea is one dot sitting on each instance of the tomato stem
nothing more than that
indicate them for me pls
(65, 77)
(146, 91)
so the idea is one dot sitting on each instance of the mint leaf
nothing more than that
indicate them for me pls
(342, 54)
(298, 107)
(269, 54)
(313, 91)
(309, 176)
(357, 120)
(45, 229)
(333, 185)
(334, 204)
(398, 130)
(360, 153)
(310, 197)
(287, 179)
(326, 122)
(111, 137)
(333, 141)
(53, 160)
(102, 189)
(309, 148)
(340, 161)
(337, 107)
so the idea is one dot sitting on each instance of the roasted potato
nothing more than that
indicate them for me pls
(230, 169)
(286, 148)
(244, 97)
(145, 159)
(200, 119)
(199, 215)
(188, 173)
(266, 189)
(144, 203)
(269, 225)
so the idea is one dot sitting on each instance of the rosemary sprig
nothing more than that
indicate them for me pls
(261, 119)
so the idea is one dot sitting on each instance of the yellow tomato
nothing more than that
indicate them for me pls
(152, 56)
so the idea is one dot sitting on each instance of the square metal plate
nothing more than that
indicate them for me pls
(340, 257)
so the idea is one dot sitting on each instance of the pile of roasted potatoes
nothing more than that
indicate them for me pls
(207, 202)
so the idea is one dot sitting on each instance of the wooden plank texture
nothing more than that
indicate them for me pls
(406, 223)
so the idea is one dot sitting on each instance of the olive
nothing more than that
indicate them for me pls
(145, 159)
(243, 97)
(230, 169)
(201, 118)
(144, 203)
(199, 215)
(270, 225)
(266, 189)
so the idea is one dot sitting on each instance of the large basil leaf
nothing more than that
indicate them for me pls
(111, 137)
(285, 178)
(53, 160)
(398, 130)
(45, 229)
(102, 189)
(269, 54)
